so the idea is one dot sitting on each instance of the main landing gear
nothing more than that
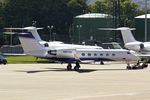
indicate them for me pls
(69, 67)
(76, 68)
(102, 62)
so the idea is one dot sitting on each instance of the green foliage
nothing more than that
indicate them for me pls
(99, 7)
(2, 23)
(45, 12)
(59, 13)
(128, 10)
(24, 59)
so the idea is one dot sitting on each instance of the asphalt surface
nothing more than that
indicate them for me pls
(93, 82)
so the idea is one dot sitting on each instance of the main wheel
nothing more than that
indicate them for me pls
(69, 67)
(145, 65)
(129, 67)
(101, 62)
(4, 62)
(135, 66)
(76, 68)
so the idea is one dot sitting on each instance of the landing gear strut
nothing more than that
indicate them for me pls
(128, 65)
(69, 67)
(76, 68)
(101, 62)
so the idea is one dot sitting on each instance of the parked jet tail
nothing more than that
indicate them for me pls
(30, 40)
(126, 33)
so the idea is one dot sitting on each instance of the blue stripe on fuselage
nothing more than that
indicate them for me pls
(70, 60)
(97, 59)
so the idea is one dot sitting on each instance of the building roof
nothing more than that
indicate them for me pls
(94, 15)
(143, 16)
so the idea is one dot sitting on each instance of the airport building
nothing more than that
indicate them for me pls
(140, 27)
(85, 28)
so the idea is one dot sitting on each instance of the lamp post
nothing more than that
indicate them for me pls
(50, 31)
(11, 37)
(34, 23)
(79, 27)
(54, 36)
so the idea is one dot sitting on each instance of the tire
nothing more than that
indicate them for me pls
(129, 67)
(69, 68)
(134, 67)
(4, 62)
(76, 68)
(145, 65)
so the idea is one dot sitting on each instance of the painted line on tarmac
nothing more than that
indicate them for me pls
(96, 96)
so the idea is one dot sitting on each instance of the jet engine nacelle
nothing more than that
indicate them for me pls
(142, 46)
(136, 46)
(62, 53)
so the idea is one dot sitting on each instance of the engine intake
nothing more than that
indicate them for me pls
(52, 52)
(141, 46)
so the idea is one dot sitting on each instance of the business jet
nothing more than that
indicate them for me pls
(68, 53)
(132, 44)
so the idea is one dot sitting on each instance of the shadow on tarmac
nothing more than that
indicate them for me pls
(65, 70)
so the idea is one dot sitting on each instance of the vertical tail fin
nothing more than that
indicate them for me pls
(29, 43)
(29, 39)
(33, 31)
(127, 34)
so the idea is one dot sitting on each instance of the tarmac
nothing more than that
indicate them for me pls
(111, 81)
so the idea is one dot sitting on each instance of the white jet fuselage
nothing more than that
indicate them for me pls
(58, 51)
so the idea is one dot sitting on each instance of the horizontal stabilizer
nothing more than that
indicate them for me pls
(125, 32)
(15, 33)
(10, 32)
(25, 28)
(115, 29)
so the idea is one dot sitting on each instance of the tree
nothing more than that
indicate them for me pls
(128, 10)
(98, 7)
(58, 13)
(2, 23)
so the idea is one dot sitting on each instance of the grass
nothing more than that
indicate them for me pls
(24, 60)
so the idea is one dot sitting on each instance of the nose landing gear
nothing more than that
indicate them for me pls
(76, 68)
